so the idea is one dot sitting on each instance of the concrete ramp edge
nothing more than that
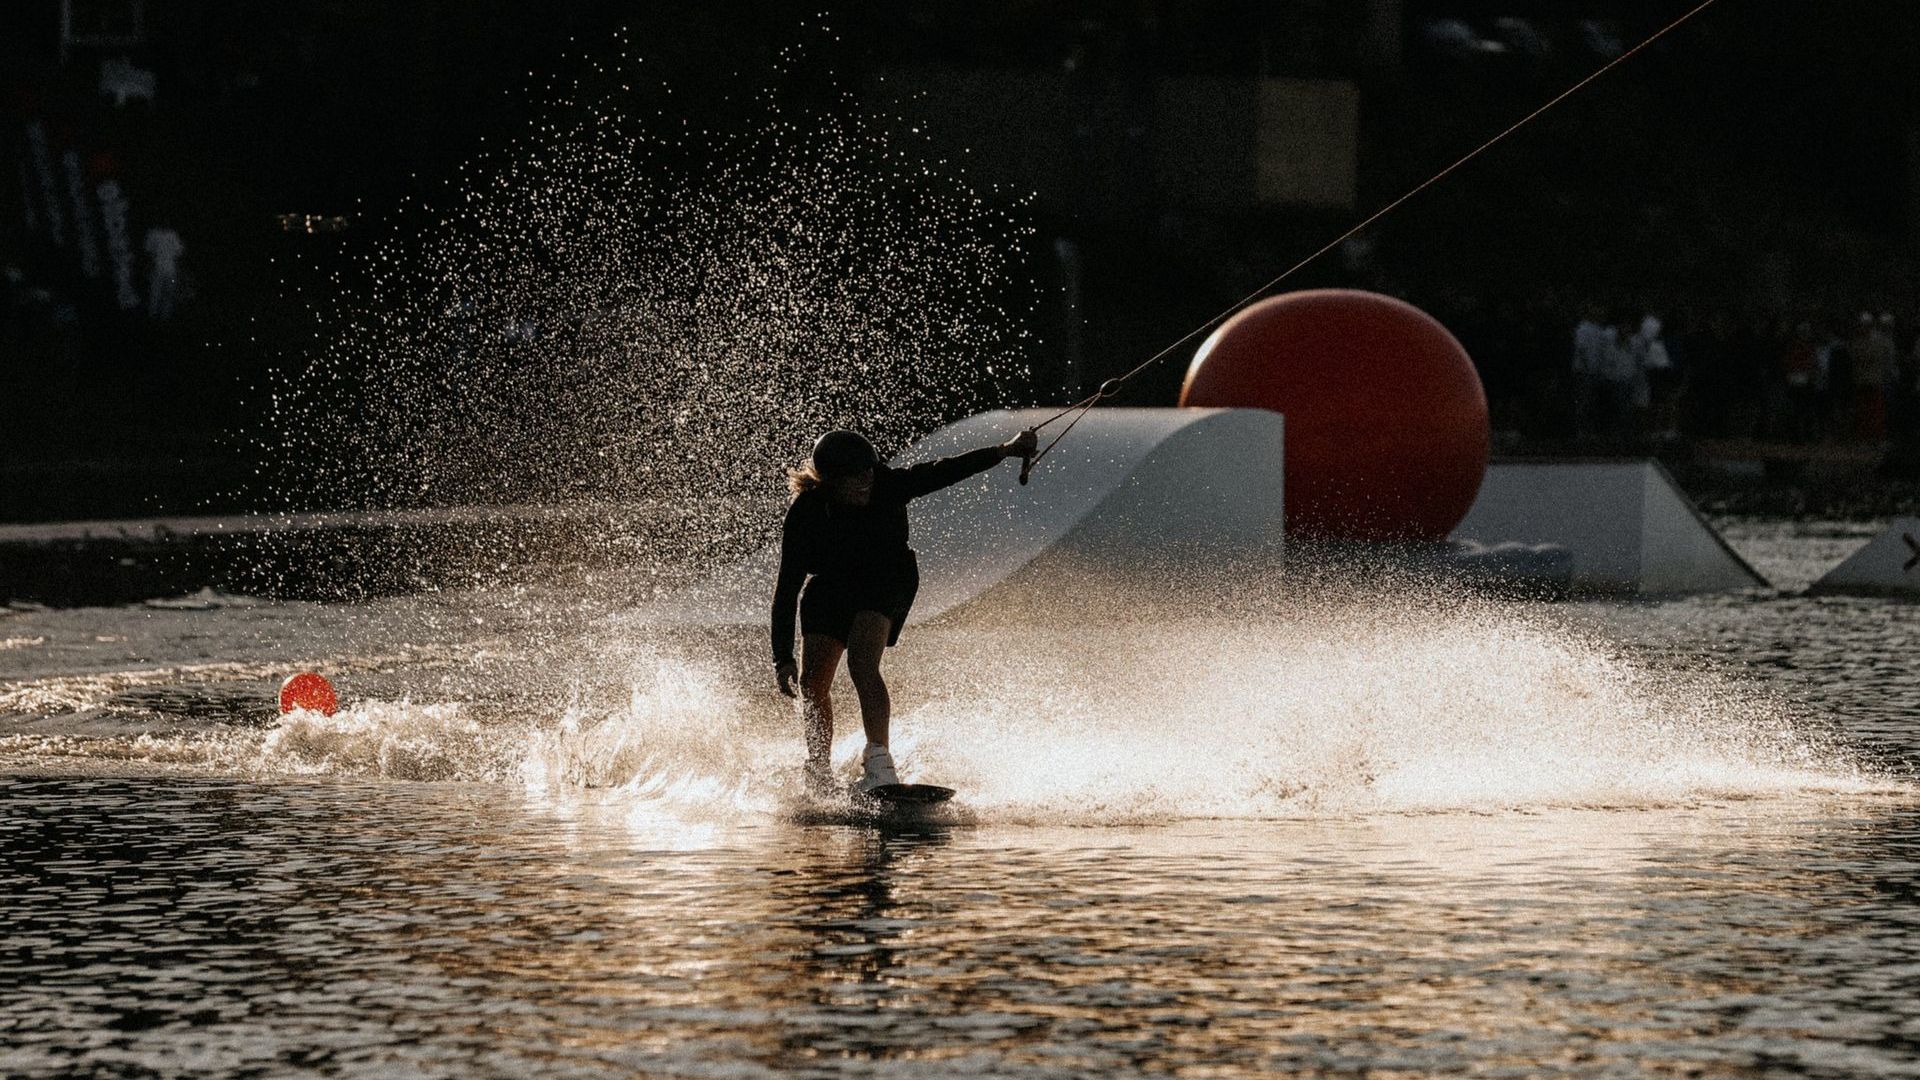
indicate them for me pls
(1889, 565)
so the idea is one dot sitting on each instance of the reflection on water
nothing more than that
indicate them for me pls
(222, 925)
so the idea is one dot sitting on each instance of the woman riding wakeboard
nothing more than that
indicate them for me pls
(845, 541)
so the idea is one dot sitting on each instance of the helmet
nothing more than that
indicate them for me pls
(843, 453)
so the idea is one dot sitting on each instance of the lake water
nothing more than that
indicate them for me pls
(1383, 836)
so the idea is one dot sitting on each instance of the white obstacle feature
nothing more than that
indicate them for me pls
(1151, 487)
(1888, 566)
(1629, 527)
(1128, 484)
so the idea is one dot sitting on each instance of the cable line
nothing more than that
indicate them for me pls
(1112, 386)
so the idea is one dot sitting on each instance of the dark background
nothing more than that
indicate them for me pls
(1756, 167)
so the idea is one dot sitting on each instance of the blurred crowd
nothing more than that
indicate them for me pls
(1621, 377)
(1805, 380)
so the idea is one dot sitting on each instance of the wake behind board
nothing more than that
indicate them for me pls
(904, 794)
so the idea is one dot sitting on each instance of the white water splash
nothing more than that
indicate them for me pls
(396, 740)
(1214, 720)
(1352, 709)
(622, 308)
(676, 740)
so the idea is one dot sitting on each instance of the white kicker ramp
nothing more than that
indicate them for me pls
(1888, 566)
(1629, 527)
(1127, 483)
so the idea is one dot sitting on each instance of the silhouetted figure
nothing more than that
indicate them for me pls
(845, 541)
(1621, 382)
(1755, 352)
(1707, 410)
(1906, 404)
(164, 248)
(1836, 398)
(1542, 388)
(1800, 387)
(1653, 380)
(1874, 359)
(1590, 349)
(1902, 460)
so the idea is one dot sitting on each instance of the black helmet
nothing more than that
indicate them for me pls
(843, 453)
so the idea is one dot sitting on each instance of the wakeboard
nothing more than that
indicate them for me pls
(903, 794)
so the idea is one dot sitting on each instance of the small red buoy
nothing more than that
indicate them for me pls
(308, 690)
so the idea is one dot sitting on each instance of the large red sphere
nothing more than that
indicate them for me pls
(1387, 432)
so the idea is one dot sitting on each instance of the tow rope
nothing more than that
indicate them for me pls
(1112, 386)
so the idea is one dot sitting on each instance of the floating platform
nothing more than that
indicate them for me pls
(1888, 566)
(1628, 526)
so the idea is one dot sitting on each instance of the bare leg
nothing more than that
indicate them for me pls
(819, 659)
(865, 645)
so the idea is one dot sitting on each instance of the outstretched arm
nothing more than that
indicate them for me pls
(930, 476)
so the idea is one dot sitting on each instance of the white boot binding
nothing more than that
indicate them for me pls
(876, 769)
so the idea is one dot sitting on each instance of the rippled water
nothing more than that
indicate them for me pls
(1672, 838)
(231, 925)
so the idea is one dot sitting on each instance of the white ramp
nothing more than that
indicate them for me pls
(1127, 484)
(1888, 566)
(1629, 527)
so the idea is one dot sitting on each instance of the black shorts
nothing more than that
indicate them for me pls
(828, 604)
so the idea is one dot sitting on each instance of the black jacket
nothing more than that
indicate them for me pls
(858, 544)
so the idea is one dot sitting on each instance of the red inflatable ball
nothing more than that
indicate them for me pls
(308, 690)
(1387, 432)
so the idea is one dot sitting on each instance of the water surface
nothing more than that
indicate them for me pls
(1646, 839)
